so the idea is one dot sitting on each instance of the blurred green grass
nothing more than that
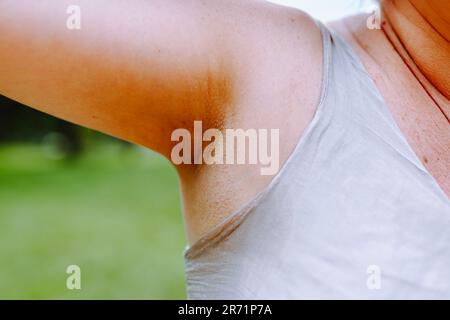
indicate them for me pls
(115, 212)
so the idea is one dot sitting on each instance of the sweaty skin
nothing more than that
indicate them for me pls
(140, 69)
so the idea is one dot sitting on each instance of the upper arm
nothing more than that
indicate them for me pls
(135, 69)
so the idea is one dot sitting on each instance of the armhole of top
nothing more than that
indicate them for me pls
(226, 227)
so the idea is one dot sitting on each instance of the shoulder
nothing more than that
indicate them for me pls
(278, 62)
(275, 57)
(274, 52)
(261, 28)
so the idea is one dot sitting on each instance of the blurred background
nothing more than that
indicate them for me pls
(72, 196)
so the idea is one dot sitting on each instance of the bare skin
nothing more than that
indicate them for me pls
(409, 60)
(140, 69)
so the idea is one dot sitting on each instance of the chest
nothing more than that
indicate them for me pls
(419, 118)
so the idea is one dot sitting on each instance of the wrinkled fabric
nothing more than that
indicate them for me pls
(353, 202)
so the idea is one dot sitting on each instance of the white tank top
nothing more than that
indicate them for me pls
(353, 213)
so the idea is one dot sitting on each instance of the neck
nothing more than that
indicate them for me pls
(421, 37)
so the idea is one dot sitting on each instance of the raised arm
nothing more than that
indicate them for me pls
(138, 69)
(135, 69)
